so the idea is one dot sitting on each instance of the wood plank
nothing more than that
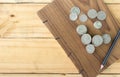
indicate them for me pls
(40, 75)
(33, 56)
(112, 1)
(46, 1)
(24, 1)
(108, 76)
(26, 23)
(39, 57)
(51, 75)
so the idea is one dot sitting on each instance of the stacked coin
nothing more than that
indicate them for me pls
(73, 16)
(74, 13)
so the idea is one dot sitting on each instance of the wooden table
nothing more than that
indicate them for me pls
(27, 48)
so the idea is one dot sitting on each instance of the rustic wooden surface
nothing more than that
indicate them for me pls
(24, 47)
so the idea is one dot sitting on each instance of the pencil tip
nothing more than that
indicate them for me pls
(101, 67)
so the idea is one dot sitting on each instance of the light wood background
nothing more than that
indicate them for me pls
(28, 49)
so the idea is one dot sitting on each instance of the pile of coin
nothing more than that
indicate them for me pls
(92, 42)
(86, 39)
(92, 13)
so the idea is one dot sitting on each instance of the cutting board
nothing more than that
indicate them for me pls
(56, 17)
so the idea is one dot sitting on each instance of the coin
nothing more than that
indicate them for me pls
(106, 38)
(81, 29)
(83, 18)
(97, 40)
(97, 24)
(73, 16)
(86, 39)
(101, 15)
(75, 10)
(92, 13)
(90, 48)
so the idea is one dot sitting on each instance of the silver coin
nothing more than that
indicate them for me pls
(73, 16)
(97, 40)
(83, 18)
(86, 39)
(101, 15)
(106, 38)
(81, 29)
(92, 13)
(97, 24)
(90, 48)
(75, 10)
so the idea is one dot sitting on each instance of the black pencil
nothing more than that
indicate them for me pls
(110, 50)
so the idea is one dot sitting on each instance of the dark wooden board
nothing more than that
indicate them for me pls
(56, 17)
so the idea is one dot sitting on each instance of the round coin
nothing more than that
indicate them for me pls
(86, 39)
(101, 15)
(98, 25)
(90, 48)
(83, 18)
(92, 13)
(97, 40)
(75, 10)
(81, 29)
(73, 16)
(106, 38)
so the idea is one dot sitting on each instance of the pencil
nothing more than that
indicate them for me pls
(110, 50)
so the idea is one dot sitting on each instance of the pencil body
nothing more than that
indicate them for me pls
(110, 50)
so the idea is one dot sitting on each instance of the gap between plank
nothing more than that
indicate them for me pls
(45, 3)
(28, 38)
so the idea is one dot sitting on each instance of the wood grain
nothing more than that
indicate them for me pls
(46, 1)
(51, 75)
(25, 28)
(40, 75)
(12, 59)
(88, 65)
(26, 56)
(25, 21)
